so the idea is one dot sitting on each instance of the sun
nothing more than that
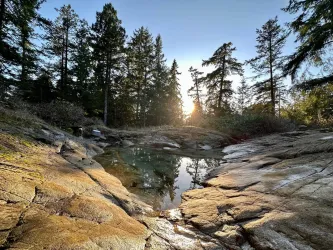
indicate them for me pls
(188, 107)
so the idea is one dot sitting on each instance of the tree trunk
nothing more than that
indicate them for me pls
(144, 117)
(221, 84)
(106, 93)
(198, 96)
(62, 68)
(138, 103)
(115, 112)
(2, 18)
(66, 57)
(106, 90)
(24, 60)
(144, 104)
(279, 103)
(271, 77)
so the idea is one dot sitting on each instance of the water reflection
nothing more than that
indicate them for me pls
(159, 178)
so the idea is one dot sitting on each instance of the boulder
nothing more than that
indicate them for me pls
(274, 197)
(63, 201)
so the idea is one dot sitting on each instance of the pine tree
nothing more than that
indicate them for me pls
(195, 90)
(27, 16)
(108, 44)
(313, 27)
(196, 169)
(9, 54)
(141, 61)
(269, 62)
(124, 104)
(173, 103)
(219, 87)
(196, 93)
(159, 83)
(243, 96)
(60, 44)
(42, 89)
(18, 54)
(82, 64)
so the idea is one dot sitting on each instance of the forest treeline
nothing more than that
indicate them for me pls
(96, 66)
(310, 98)
(125, 79)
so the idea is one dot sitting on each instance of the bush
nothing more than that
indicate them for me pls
(63, 114)
(58, 113)
(250, 124)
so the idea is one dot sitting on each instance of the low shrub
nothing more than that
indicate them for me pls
(250, 124)
(16, 112)
(63, 114)
(60, 113)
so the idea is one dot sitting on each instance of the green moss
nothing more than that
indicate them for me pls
(36, 175)
(8, 156)
(27, 143)
(68, 130)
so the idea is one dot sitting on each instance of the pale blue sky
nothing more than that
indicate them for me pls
(191, 29)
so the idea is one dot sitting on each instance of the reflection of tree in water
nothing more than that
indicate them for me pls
(158, 174)
(198, 169)
(212, 163)
(158, 178)
(195, 170)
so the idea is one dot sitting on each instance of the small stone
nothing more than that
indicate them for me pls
(206, 147)
(302, 127)
(127, 143)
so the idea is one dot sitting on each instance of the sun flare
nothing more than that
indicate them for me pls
(189, 108)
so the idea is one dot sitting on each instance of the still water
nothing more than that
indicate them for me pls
(157, 177)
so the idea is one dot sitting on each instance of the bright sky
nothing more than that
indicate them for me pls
(191, 29)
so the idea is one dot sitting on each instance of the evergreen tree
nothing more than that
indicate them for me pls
(196, 169)
(269, 62)
(60, 45)
(9, 54)
(82, 64)
(123, 111)
(313, 27)
(42, 89)
(243, 96)
(108, 41)
(141, 66)
(173, 101)
(28, 18)
(218, 86)
(281, 97)
(18, 54)
(195, 90)
(196, 93)
(159, 81)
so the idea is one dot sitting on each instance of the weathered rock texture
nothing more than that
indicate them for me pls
(183, 137)
(273, 193)
(276, 196)
(56, 197)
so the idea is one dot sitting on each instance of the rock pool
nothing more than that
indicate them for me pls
(158, 177)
